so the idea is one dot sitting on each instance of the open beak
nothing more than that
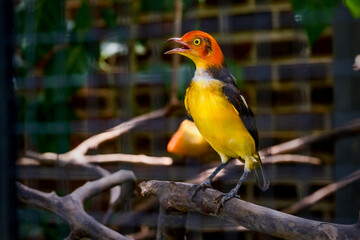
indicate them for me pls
(185, 47)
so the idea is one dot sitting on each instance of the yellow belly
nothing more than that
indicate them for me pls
(217, 120)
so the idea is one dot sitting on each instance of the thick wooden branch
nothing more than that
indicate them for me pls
(254, 217)
(171, 224)
(70, 207)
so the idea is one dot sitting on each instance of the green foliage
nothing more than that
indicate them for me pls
(314, 16)
(39, 224)
(83, 17)
(109, 16)
(50, 16)
(164, 5)
(69, 57)
(354, 7)
(237, 71)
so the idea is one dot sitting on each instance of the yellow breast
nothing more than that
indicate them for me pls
(217, 119)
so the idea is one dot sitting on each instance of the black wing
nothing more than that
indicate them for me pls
(234, 96)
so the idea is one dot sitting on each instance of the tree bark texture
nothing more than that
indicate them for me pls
(177, 196)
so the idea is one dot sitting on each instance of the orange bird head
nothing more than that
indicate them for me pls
(201, 48)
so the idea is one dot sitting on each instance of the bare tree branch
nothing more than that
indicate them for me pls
(77, 155)
(171, 224)
(323, 192)
(144, 234)
(51, 158)
(177, 196)
(78, 152)
(70, 207)
(276, 159)
(151, 203)
(290, 158)
(349, 129)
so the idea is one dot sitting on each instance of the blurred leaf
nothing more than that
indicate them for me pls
(354, 6)
(39, 224)
(165, 5)
(50, 16)
(159, 6)
(41, 30)
(83, 16)
(93, 49)
(109, 16)
(66, 65)
(78, 60)
(314, 16)
(185, 74)
(20, 17)
(237, 71)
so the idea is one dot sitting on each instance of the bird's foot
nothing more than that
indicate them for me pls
(196, 188)
(223, 198)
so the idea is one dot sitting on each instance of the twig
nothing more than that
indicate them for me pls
(276, 159)
(177, 196)
(299, 143)
(290, 158)
(70, 207)
(144, 233)
(130, 158)
(51, 158)
(93, 142)
(77, 155)
(322, 192)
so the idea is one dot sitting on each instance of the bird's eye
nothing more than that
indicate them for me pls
(197, 41)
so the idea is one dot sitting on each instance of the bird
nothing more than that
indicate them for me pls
(219, 110)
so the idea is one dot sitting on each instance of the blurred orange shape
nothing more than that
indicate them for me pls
(187, 141)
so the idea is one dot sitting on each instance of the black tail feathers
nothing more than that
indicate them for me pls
(261, 180)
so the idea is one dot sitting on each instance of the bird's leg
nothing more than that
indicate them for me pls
(227, 196)
(207, 182)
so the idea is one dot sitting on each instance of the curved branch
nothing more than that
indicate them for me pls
(323, 192)
(349, 129)
(51, 158)
(70, 207)
(177, 196)
(90, 189)
(290, 158)
(96, 140)
(276, 159)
